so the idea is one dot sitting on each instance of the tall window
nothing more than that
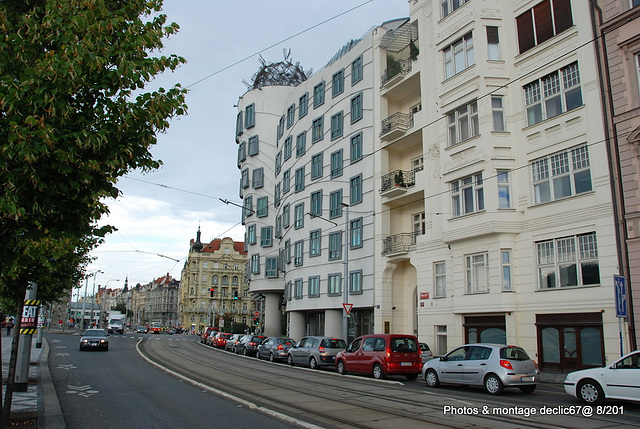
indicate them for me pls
(298, 216)
(477, 273)
(356, 70)
(244, 181)
(286, 181)
(497, 111)
(355, 194)
(493, 44)
(317, 129)
(301, 144)
(553, 94)
(278, 162)
(448, 6)
(355, 282)
(303, 105)
(254, 143)
(316, 165)
(262, 206)
(255, 263)
(504, 189)
(314, 286)
(297, 288)
(542, 22)
(337, 125)
(248, 206)
(318, 95)
(356, 108)
(250, 115)
(356, 147)
(298, 251)
(505, 263)
(334, 281)
(258, 178)
(355, 229)
(288, 147)
(291, 115)
(286, 216)
(440, 279)
(335, 246)
(561, 175)
(242, 152)
(266, 236)
(419, 224)
(463, 123)
(467, 195)
(251, 234)
(336, 164)
(315, 238)
(568, 261)
(299, 184)
(337, 83)
(271, 267)
(239, 127)
(458, 56)
(316, 203)
(335, 204)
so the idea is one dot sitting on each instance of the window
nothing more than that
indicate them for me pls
(334, 281)
(286, 181)
(297, 288)
(554, 94)
(248, 206)
(355, 183)
(419, 224)
(337, 125)
(314, 286)
(337, 83)
(279, 226)
(251, 234)
(258, 178)
(276, 195)
(440, 279)
(356, 70)
(318, 95)
(505, 263)
(504, 189)
(316, 203)
(303, 105)
(542, 22)
(336, 164)
(477, 273)
(278, 162)
(244, 181)
(441, 340)
(568, 261)
(287, 251)
(271, 267)
(250, 116)
(254, 145)
(497, 110)
(315, 238)
(356, 148)
(299, 183)
(448, 6)
(417, 164)
(286, 216)
(355, 282)
(262, 206)
(316, 166)
(291, 116)
(335, 246)
(463, 123)
(298, 250)
(242, 152)
(255, 263)
(266, 236)
(458, 56)
(298, 216)
(561, 175)
(467, 195)
(355, 228)
(280, 131)
(301, 144)
(239, 127)
(317, 129)
(335, 200)
(356, 108)
(493, 44)
(288, 143)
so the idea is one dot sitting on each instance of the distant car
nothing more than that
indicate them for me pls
(231, 342)
(220, 340)
(94, 339)
(381, 355)
(619, 380)
(249, 344)
(315, 352)
(427, 354)
(143, 330)
(493, 366)
(155, 328)
(208, 332)
(275, 348)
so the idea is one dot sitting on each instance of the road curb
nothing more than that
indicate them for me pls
(49, 411)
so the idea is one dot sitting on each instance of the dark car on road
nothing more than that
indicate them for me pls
(248, 345)
(94, 339)
(275, 348)
(315, 352)
(230, 345)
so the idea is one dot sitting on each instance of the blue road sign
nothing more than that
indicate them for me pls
(620, 284)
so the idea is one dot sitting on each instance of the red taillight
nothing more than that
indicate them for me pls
(505, 364)
(280, 347)
(388, 352)
(321, 349)
(535, 364)
(252, 343)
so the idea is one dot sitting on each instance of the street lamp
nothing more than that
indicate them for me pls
(84, 301)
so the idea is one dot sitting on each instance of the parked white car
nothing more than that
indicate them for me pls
(619, 380)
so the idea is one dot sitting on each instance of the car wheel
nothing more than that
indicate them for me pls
(290, 360)
(590, 392)
(377, 372)
(431, 378)
(411, 377)
(528, 389)
(493, 384)
(341, 368)
(271, 357)
(312, 363)
(258, 355)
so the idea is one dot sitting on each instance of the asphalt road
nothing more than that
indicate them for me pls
(118, 389)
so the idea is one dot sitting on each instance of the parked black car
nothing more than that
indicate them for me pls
(274, 348)
(249, 344)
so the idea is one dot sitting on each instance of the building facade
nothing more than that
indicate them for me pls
(162, 301)
(214, 285)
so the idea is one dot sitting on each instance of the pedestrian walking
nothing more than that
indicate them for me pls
(9, 326)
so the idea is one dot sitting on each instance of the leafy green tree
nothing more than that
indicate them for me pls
(74, 118)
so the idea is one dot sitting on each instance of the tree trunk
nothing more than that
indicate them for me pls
(8, 396)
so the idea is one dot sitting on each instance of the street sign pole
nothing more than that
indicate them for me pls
(620, 287)
(28, 326)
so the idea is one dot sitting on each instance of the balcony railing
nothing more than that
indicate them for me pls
(397, 179)
(397, 123)
(398, 68)
(399, 243)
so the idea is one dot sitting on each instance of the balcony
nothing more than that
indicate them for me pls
(399, 244)
(396, 125)
(397, 183)
(396, 71)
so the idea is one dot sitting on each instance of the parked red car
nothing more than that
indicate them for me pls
(220, 340)
(381, 355)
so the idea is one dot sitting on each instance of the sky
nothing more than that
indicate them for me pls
(158, 213)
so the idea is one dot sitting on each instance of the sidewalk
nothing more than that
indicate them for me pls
(38, 407)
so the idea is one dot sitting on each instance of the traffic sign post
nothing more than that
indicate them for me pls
(620, 286)
(347, 307)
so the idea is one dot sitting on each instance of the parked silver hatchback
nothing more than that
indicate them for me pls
(315, 352)
(493, 366)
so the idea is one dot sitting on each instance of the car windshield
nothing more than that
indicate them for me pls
(94, 333)
(286, 341)
(513, 353)
(404, 345)
(334, 343)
